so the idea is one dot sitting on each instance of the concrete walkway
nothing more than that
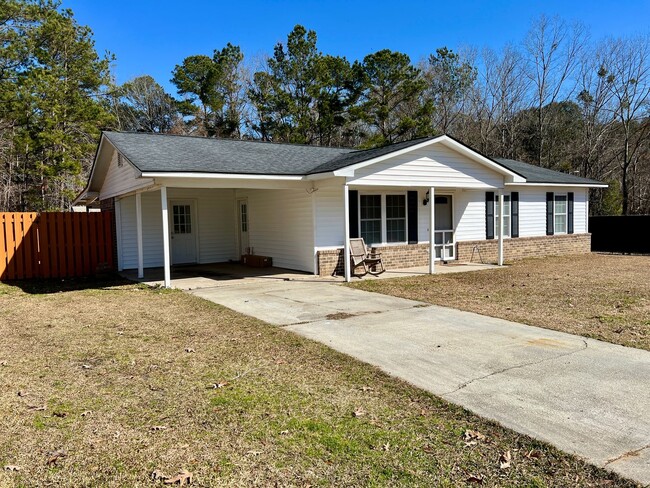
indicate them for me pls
(584, 396)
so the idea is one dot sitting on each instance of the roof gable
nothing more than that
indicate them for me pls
(429, 165)
(411, 146)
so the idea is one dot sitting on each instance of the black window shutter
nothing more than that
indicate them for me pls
(514, 214)
(489, 215)
(412, 209)
(569, 225)
(354, 213)
(549, 214)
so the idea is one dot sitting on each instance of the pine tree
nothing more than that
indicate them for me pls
(52, 81)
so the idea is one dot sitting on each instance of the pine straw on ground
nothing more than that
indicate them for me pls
(601, 296)
(134, 380)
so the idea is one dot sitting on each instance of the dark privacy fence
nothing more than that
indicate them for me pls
(624, 233)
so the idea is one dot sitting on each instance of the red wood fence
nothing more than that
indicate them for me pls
(55, 244)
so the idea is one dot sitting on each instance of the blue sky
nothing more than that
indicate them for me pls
(151, 37)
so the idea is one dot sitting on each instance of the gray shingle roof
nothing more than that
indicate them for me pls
(537, 174)
(171, 153)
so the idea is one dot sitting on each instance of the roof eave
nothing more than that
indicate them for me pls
(85, 198)
(198, 174)
(322, 175)
(579, 185)
(92, 171)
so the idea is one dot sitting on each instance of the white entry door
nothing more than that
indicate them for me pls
(242, 223)
(183, 232)
(444, 237)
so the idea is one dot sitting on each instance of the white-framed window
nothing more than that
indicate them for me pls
(383, 218)
(560, 214)
(370, 218)
(395, 218)
(507, 215)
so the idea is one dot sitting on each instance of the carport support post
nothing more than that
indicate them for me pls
(346, 242)
(165, 230)
(138, 220)
(500, 224)
(432, 230)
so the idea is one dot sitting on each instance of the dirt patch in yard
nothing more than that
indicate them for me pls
(109, 385)
(605, 297)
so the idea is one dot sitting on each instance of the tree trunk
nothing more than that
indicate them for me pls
(624, 188)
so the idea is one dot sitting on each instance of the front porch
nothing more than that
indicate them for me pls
(193, 277)
(305, 229)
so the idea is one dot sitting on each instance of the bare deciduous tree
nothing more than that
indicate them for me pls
(554, 50)
(626, 72)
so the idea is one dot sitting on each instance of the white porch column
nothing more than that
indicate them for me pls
(500, 224)
(432, 230)
(165, 230)
(138, 220)
(346, 242)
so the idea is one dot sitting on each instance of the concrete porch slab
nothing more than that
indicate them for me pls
(192, 277)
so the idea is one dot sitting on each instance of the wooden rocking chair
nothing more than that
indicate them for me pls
(371, 261)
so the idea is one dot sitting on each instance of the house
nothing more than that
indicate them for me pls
(183, 199)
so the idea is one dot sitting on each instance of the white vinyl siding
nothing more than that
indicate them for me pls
(121, 179)
(215, 224)
(151, 231)
(329, 215)
(580, 210)
(469, 215)
(281, 226)
(436, 166)
(532, 209)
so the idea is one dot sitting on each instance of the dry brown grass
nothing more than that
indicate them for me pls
(605, 297)
(124, 374)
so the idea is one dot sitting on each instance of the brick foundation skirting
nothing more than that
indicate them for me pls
(524, 247)
(330, 261)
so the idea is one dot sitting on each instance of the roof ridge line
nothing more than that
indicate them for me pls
(226, 139)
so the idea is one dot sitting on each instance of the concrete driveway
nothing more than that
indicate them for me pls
(584, 396)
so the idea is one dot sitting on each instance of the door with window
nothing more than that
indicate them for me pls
(444, 227)
(183, 232)
(243, 223)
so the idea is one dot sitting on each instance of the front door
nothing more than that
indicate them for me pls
(444, 227)
(242, 223)
(183, 232)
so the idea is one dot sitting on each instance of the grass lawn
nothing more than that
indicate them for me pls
(605, 297)
(107, 385)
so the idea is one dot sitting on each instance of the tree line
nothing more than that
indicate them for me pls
(557, 99)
